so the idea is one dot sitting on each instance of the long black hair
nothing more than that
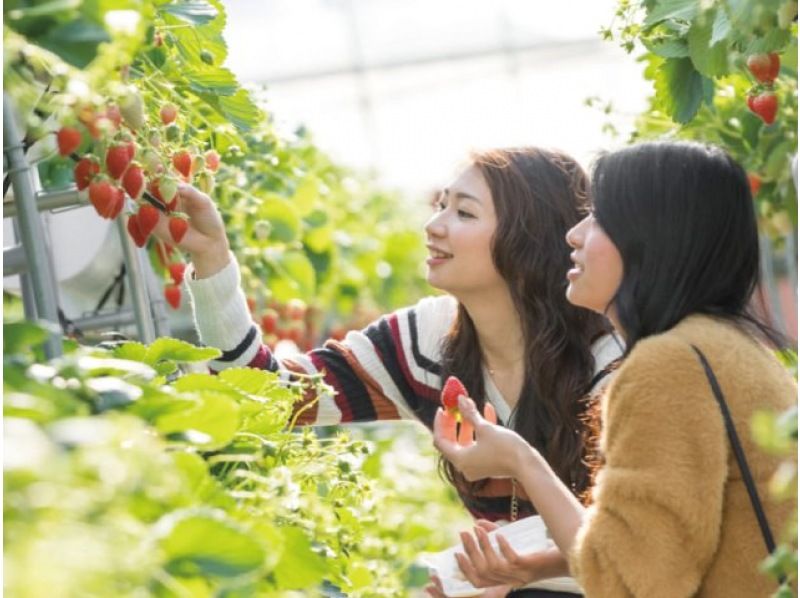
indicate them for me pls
(682, 217)
(538, 195)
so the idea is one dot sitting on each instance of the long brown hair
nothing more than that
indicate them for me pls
(538, 196)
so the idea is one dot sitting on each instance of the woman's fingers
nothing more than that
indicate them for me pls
(465, 431)
(489, 413)
(469, 412)
(444, 432)
(489, 526)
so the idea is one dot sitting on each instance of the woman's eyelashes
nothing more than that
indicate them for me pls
(441, 205)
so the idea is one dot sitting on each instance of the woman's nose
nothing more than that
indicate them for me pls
(435, 226)
(574, 235)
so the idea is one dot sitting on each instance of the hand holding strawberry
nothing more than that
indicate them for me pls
(453, 388)
(204, 238)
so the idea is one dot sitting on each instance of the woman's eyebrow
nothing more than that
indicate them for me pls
(461, 195)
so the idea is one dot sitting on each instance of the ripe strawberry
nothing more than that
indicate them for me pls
(133, 181)
(120, 202)
(453, 388)
(176, 271)
(177, 228)
(765, 67)
(168, 113)
(131, 146)
(103, 197)
(85, 170)
(147, 219)
(134, 232)
(755, 183)
(212, 160)
(269, 321)
(172, 294)
(69, 139)
(117, 159)
(182, 161)
(764, 105)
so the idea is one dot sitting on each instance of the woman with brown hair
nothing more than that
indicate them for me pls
(504, 327)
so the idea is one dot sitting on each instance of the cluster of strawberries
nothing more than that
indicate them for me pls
(762, 100)
(131, 166)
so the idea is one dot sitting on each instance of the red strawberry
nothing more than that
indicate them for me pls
(133, 181)
(147, 219)
(172, 293)
(131, 145)
(119, 202)
(135, 232)
(269, 321)
(117, 159)
(103, 197)
(85, 170)
(176, 271)
(168, 113)
(182, 161)
(764, 105)
(177, 228)
(453, 388)
(755, 183)
(212, 160)
(69, 139)
(765, 67)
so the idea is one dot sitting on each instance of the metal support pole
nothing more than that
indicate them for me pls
(14, 261)
(139, 297)
(50, 200)
(30, 228)
(28, 306)
(113, 319)
(158, 306)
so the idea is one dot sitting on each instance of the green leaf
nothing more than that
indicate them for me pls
(22, 336)
(43, 9)
(113, 393)
(218, 81)
(194, 12)
(668, 48)
(76, 42)
(213, 414)
(208, 543)
(299, 567)
(721, 28)
(249, 380)
(131, 350)
(296, 276)
(177, 350)
(197, 382)
(283, 217)
(306, 195)
(680, 89)
(711, 61)
(671, 9)
(238, 108)
(107, 366)
(774, 41)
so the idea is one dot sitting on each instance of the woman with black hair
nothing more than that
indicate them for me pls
(504, 327)
(670, 254)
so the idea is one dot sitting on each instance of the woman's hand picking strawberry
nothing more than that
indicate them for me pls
(205, 238)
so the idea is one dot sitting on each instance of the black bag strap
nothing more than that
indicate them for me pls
(739, 453)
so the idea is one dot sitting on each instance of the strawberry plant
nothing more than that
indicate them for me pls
(724, 73)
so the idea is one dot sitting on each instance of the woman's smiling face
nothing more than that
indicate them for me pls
(597, 271)
(459, 236)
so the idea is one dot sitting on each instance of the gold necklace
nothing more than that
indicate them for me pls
(514, 511)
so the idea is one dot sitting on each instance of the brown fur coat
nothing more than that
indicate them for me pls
(671, 515)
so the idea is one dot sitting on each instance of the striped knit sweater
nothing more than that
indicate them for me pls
(390, 370)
